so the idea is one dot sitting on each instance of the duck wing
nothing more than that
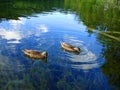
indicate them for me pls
(26, 51)
(67, 45)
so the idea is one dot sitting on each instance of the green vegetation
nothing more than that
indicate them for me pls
(96, 13)
(12, 9)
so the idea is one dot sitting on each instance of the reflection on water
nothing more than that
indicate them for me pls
(10, 35)
(61, 67)
(43, 30)
(87, 58)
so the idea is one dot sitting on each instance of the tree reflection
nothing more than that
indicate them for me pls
(12, 9)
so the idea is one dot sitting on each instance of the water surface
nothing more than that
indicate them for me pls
(42, 28)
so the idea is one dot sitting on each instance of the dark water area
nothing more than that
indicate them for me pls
(91, 25)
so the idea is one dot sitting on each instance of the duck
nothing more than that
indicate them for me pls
(34, 54)
(69, 47)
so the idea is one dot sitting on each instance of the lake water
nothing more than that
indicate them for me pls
(41, 26)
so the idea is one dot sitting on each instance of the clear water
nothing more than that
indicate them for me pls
(62, 70)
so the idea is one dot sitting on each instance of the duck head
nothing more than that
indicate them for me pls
(44, 54)
(77, 49)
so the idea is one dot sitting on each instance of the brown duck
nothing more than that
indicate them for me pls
(34, 54)
(69, 47)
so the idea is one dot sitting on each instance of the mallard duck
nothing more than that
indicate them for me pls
(34, 54)
(69, 47)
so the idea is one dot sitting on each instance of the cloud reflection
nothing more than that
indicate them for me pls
(43, 28)
(16, 30)
(10, 35)
(16, 24)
